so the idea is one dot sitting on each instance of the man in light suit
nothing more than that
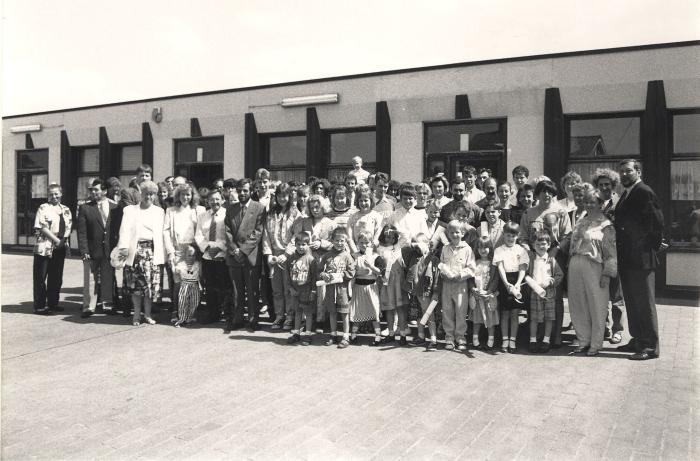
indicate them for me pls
(639, 225)
(244, 227)
(95, 243)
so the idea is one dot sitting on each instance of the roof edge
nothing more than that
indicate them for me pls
(376, 74)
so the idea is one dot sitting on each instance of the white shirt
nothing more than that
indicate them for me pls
(201, 236)
(409, 223)
(541, 271)
(474, 195)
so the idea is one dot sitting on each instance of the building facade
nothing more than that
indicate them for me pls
(551, 113)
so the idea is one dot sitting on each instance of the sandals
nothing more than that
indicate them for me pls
(343, 344)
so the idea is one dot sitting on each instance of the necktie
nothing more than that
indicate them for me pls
(103, 211)
(212, 228)
(61, 225)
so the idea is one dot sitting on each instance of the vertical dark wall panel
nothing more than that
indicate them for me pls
(251, 154)
(315, 160)
(106, 160)
(195, 130)
(555, 152)
(462, 106)
(655, 156)
(147, 143)
(383, 138)
(28, 141)
(69, 173)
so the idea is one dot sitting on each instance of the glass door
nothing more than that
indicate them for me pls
(32, 191)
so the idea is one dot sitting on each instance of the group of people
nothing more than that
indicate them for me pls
(330, 261)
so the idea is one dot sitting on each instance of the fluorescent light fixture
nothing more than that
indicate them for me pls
(310, 100)
(25, 128)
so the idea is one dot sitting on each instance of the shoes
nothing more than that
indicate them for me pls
(607, 334)
(449, 346)
(343, 344)
(86, 314)
(332, 340)
(376, 342)
(616, 338)
(150, 321)
(295, 338)
(489, 343)
(533, 348)
(644, 355)
(136, 323)
(462, 346)
(592, 353)
(629, 347)
(512, 347)
(42, 311)
(544, 348)
(306, 340)
(570, 326)
(288, 324)
(277, 324)
(387, 339)
(556, 346)
(354, 340)
(579, 350)
(418, 341)
(173, 319)
(431, 346)
(504, 347)
(403, 341)
(252, 327)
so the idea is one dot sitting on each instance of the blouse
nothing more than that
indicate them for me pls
(595, 239)
(555, 218)
(179, 227)
(369, 221)
(277, 231)
(183, 273)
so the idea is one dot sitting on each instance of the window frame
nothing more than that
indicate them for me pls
(119, 170)
(326, 141)
(199, 138)
(568, 118)
(265, 149)
(671, 149)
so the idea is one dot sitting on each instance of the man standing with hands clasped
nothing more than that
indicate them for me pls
(639, 225)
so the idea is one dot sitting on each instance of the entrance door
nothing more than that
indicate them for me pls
(493, 162)
(201, 174)
(32, 185)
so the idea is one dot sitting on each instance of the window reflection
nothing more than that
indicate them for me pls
(602, 137)
(345, 146)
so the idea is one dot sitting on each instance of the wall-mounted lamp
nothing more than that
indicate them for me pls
(25, 128)
(157, 114)
(310, 100)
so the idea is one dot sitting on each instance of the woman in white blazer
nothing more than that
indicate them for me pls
(141, 243)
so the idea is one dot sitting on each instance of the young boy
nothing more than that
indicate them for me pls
(546, 273)
(337, 269)
(421, 284)
(301, 275)
(456, 266)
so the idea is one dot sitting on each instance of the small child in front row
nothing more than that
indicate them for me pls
(337, 269)
(512, 262)
(422, 284)
(456, 266)
(300, 270)
(187, 271)
(483, 301)
(365, 291)
(390, 292)
(546, 272)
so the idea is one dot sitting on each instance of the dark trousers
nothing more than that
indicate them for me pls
(638, 286)
(246, 283)
(218, 285)
(618, 306)
(48, 278)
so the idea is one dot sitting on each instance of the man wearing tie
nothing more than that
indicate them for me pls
(244, 226)
(211, 240)
(95, 243)
(639, 225)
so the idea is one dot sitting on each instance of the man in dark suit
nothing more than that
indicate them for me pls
(244, 227)
(639, 225)
(95, 243)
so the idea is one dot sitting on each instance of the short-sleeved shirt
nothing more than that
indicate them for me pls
(512, 257)
(48, 216)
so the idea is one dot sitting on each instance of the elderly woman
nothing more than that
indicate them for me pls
(141, 243)
(178, 232)
(52, 226)
(592, 263)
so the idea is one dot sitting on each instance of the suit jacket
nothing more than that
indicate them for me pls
(94, 236)
(244, 232)
(639, 225)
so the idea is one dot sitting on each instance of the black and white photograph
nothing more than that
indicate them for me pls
(335, 230)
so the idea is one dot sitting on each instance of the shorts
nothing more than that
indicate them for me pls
(541, 309)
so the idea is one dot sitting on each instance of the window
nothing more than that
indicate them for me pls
(286, 154)
(88, 168)
(201, 160)
(129, 158)
(601, 140)
(345, 144)
(451, 145)
(685, 177)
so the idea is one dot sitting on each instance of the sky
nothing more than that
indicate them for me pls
(73, 53)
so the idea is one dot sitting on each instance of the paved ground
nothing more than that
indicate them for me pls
(102, 389)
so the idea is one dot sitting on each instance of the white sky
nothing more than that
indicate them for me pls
(70, 53)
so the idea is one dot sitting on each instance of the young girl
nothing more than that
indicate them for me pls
(433, 217)
(390, 293)
(303, 194)
(340, 206)
(483, 300)
(526, 200)
(504, 192)
(512, 261)
(365, 291)
(188, 296)
(494, 224)
(365, 219)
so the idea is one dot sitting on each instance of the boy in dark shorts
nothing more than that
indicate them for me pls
(301, 274)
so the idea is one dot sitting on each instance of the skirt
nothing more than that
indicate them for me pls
(506, 301)
(365, 303)
(188, 300)
(142, 278)
(484, 311)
